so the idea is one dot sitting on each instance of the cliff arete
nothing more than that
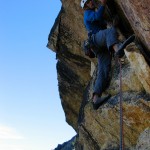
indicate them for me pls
(99, 129)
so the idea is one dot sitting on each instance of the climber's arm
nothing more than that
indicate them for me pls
(95, 15)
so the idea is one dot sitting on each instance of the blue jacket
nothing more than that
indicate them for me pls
(93, 20)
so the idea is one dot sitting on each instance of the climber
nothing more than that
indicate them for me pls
(105, 41)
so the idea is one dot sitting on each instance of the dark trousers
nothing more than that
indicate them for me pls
(104, 66)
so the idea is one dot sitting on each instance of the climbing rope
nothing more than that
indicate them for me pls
(121, 109)
(121, 99)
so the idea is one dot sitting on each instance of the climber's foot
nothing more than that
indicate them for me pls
(120, 53)
(100, 101)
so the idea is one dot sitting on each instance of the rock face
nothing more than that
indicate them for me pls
(69, 145)
(138, 14)
(99, 130)
(72, 67)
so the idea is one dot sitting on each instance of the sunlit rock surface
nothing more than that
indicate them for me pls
(99, 130)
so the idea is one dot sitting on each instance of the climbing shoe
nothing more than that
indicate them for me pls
(100, 101)
(120, 53)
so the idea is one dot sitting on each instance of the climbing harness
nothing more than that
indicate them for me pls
(121, 109)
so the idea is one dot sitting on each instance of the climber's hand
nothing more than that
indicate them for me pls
(103, 2)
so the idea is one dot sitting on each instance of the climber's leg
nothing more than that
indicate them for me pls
(104, 66)
(113, 42)
(102, 80)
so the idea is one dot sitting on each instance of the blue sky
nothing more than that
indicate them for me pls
(31, 115)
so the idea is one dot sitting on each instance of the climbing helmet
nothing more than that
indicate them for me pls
(83, 3)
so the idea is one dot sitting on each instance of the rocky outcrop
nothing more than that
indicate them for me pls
(69, 145)
(100, 129)
(138, 14)
(73, 68)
